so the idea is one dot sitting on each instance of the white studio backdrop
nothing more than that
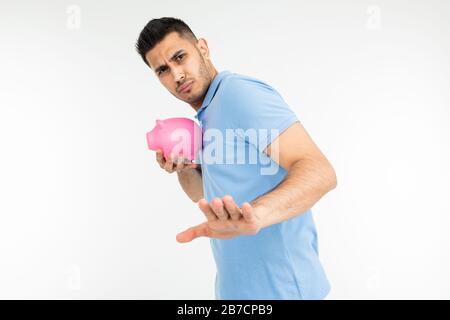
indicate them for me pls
(85, 211)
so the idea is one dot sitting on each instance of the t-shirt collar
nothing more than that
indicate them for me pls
(211, 91)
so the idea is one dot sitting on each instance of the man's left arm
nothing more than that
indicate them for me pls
(309, 177)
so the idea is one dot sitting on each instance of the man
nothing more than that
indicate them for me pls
(259, 220)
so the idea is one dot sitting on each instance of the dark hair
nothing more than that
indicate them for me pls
(157, 29)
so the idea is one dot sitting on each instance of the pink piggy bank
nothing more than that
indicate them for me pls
(180, 136)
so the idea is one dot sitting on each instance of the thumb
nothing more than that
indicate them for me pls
(192, 233)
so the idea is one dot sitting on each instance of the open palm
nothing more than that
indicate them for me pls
(225, 220)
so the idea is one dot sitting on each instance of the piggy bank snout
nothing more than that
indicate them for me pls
(151, 140)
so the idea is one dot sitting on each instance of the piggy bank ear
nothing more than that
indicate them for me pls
(160, 123)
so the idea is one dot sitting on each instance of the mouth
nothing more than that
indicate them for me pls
(186, 87)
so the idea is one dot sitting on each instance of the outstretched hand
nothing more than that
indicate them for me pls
(225, 220)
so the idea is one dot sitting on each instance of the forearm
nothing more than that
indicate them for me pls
(192, 184)
(306, 182)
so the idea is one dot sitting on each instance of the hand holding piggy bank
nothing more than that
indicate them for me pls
(180, 136)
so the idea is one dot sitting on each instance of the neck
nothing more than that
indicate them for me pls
(197, 105)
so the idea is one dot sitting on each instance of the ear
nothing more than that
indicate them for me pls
(160, 123)
(202, 45)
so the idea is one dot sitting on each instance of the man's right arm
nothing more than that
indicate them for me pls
(192, 183)
(189, 174)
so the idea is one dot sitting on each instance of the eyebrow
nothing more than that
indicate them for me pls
(173, 57)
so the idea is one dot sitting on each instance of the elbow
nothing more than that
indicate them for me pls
(331, 178)
(196, 198)
(328, 176)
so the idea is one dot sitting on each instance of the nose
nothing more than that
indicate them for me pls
(178, 76)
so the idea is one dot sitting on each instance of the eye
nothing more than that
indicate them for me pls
(180, 57)
(161, 71)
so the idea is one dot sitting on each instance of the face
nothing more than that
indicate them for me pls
(183, 67)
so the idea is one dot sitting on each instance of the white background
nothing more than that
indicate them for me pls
(85, 212)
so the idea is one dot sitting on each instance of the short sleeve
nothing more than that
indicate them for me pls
(256, 108)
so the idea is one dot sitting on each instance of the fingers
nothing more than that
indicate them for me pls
(222, 209)
(247, 213)
(172, 164)
(179, 164)
(217, 226)
(219, 210)
(168, 166)
(190, 234)
(232, 208)
(160, 158)
(206, 209)
(183, 163)
(225, 209)
(191, 165)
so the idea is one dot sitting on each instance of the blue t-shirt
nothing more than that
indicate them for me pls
(281, 261)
